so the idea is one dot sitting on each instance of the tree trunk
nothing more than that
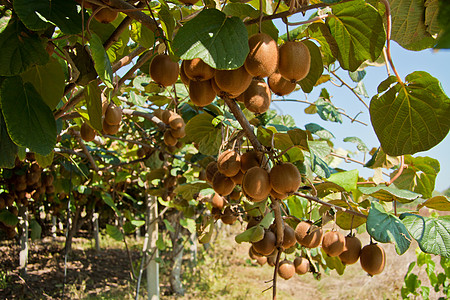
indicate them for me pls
(23, 255)
(152, 266)
(177, 255)
(72, 230)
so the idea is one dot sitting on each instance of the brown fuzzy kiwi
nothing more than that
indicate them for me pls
(201, 93)
(218, 201)
(169, 139)
(277, 195)
(183, 76)
(197, 70)
(86, 4)
(267, 245)
(279, 85)
(228, 217)
(262, 60)
(179, 133)
(301, 265)
(158, 113)
(251, 159)
(165, 116)
(350, 255)
(141, 152)
(308, 235)
(113, 114)
(372, 259)
(105, 103)
(256, 184)
(289, 239)
(253, 254)
(333, 243)
(211, 170)
(189, 2)
(229, 163)
(163, 70)
(257, 97)
(235, 194)
(105, 15)
(285, 178)
(237, 179)
(294, 61)
(286, 269)
(233, 82)
(110, 129)
(86, 132)
(216, 213)
(222, 184)
(176, 121)
(271, 260)
(261, 260)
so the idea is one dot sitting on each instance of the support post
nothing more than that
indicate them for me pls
(152, 266)
(23, 254)
(96, 231)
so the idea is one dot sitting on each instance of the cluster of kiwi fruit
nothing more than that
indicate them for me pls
(175, 128)
(103, 15)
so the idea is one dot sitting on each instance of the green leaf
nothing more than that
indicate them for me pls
(411, 117)
(36, 230)
(8, 218)
(358, 29)
(432, 234)
(92, 95)
(431, 16)
(109, 201)
(318, 150)
(385, 227)
(169, 226)
(8, 150)
(408, 25)
(347, 221)
(219, 41)
(441, 203)
(137, 223)
(389, 193)
(29, 120)
(188, 190)
(327, 111)
(316, 69)
(44, 161)
(298, 206)
(328, 45)
(319, 131)
(39, 14)
(189, 224)
(419, 176)
(114, 232)
(357, 76)
(142, 35)
(443, 20)
(21, 49)
(282, 141)
(359, 143)
(347, 179)
(200, 130)
(101, 60)
(253, 234)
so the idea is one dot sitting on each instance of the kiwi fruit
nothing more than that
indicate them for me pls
(301, 265)
(113, 115)
(262, 60)
(308, 235)
(271, 260)
(218, 201)
(253, 254)
(262, 260)
(251, 159)
(141, 152)
(267, 245)
(257, 97)
(235, 194)
(237, 179)
(350, 255)
(47, 179)
(197, 70)
(279, 85)
(2, 203)
(86, 4)
(169, 139)
(110, 129)
(294, 61)
(285, 178)
(211, 170)
(333, 243)
(105, 15)
(289, 239)
(276, 195)
(372, 259)
(229, 163)
(228, 217)
(179, 133)
(87, 133)
(183, 76)
(201, 93)
(286, 269)
(163, 70)
(256, 184)
(176, 121)
(222, 184)
(189, 2)
(233, 82)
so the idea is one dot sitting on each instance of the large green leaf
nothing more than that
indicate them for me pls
(114, 232)
(188, 190)
(328, 45)
(36, 230)
(142, 35)
(44, 76)
(39, 14)
(20, 49)
(200, 129)
(358, 30)
(410, 117)
(431, 16)
(298, 206)
(438, 202)
(432, 234)
(8, 150)
(8, 218)
(29, 120)
(316, 69)
(347, 221)
(419, 176)
(219, 41)
(101, 60)
(385, 228)
(389, 193)
(444, 23)
(408, 24)
(92, 95)
(347, 179)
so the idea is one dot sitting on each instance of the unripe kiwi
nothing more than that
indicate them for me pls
(350, 255)
(257, 97)
(251, 159)
(201, 93)
(308, 235)
(285, 178)
(280, 85)
(106, 15)
(372, 259)
(267, 245)
(211, 170)
(238, 178)
(197, 70)
(229, 163)
(289, 239)
(169, 139)
(262, 60)
(286, 269)
(294, 61)
(301, 265)
(113, 114)
(110, 129)
(228, 217)
(86, 132)
(218, 201)
(233, 82)
(256, 184)
(179, 133)
(222, 184)
(163, 70)
(333, 243)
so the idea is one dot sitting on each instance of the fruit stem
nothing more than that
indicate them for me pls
(260, 15)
